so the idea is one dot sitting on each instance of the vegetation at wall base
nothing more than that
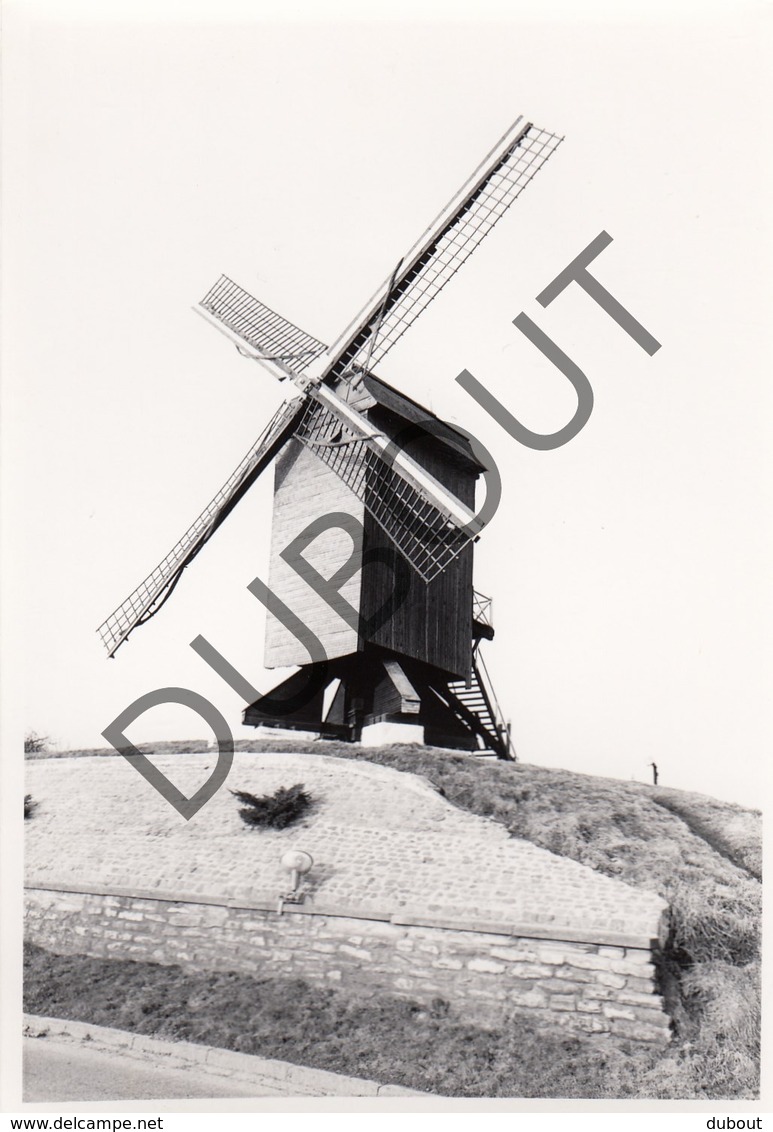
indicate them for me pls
(35, 744)
(383, 1038)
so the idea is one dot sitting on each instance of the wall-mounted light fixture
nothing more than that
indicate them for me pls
(297, 864)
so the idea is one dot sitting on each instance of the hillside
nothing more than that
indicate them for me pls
(383, 841)
(702, 855)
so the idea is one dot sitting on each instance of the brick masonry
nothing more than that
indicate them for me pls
(408, 895)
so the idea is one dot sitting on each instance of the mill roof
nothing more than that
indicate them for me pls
(403, 406)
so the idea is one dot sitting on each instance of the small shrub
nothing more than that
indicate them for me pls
(275, 811)
(30, 805)
(34, 743)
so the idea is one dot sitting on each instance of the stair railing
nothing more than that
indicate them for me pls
(495, 710)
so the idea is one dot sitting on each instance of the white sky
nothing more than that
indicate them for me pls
(145, 155)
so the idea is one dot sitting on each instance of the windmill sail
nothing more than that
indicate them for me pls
(444, 247)
(427, 523)
(426, 520)
(272, 338)
(413, 515)
(151, 594)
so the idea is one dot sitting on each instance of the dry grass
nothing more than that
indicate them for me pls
(694, 851)
(382, 1038)
(178, 746)
(733, 831)
(394, 1041)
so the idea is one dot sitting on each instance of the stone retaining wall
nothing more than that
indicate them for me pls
(599, 988)
(407, 895)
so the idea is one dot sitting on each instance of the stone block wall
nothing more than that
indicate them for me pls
(485, 975)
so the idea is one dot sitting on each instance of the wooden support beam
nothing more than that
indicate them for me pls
(410, 700)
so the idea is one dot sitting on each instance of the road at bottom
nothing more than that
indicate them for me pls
(63, 1071)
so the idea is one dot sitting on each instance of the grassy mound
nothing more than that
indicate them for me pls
(701, 854)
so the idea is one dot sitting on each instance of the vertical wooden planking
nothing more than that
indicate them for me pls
(434, 624)
(305, 489)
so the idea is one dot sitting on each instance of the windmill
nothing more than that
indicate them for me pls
(400, 634)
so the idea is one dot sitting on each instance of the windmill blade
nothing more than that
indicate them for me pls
(443, 248)
(425, 520)
(151, 594)
(259, 331)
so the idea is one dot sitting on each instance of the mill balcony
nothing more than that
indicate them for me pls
(482, 617)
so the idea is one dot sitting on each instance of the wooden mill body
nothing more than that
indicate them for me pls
(385, 648)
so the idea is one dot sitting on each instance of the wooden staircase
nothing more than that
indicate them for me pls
(476, 706)
(376, 685)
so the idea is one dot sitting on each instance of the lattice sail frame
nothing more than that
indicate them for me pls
(273, 337)
(428, 523)
(452, 239)
(423, 529)
(429, 536)
(151, 594)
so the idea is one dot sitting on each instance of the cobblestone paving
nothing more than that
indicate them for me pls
(382, 841)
